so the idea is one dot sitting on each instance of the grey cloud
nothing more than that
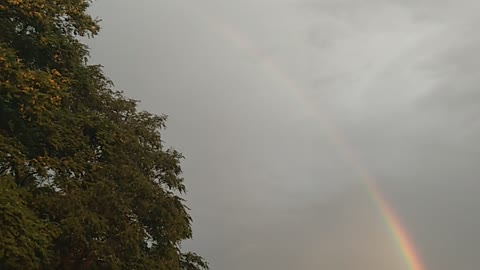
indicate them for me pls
(457, 70)
(267, 187)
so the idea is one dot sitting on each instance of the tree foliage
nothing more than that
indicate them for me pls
(85, 181)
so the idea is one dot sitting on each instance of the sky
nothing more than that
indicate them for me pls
(249, 86)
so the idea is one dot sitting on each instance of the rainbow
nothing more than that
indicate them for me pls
(399, 234)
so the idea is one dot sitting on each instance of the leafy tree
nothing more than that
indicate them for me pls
(85, 181)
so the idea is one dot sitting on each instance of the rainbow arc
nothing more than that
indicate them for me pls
(399, 234)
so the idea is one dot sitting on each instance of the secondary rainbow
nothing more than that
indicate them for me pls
(399, 234)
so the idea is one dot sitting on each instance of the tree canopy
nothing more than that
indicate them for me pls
(85, 180)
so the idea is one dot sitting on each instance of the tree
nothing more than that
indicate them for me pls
(85, 180)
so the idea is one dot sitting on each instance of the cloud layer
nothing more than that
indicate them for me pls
(267, 188)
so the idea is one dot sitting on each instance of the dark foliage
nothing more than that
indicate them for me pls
(85, 182)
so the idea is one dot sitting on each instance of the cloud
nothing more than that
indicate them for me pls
(267, 188)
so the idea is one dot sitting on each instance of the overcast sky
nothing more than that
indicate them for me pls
(242, 82)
